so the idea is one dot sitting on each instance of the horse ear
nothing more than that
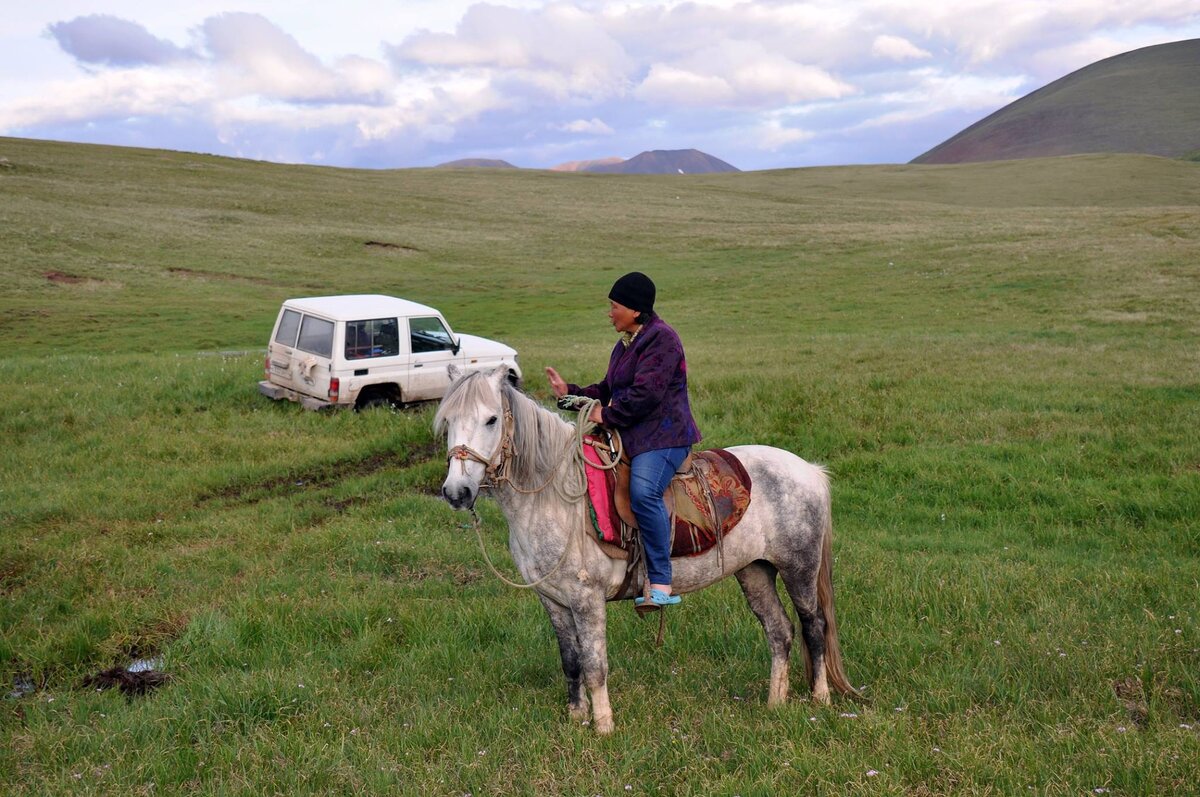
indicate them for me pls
(499, 373)
(454, 372)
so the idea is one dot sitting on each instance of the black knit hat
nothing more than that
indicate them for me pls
(635, 290)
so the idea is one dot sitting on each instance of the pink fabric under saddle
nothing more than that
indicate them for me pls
(713, 495)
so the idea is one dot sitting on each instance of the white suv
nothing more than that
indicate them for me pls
(369, 350)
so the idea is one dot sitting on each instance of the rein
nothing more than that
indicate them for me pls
(497, 469)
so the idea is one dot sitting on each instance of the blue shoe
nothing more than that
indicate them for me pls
(658, 599)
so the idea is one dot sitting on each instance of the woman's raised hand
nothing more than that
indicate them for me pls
(557, 384)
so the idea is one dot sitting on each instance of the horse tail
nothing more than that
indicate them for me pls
(835, 673)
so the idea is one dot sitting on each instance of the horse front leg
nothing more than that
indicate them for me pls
(568, 649)
(591, 617)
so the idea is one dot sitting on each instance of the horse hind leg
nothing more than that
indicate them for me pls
(800, 579)
(758, 584)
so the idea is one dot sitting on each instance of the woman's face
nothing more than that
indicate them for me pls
(623, 319)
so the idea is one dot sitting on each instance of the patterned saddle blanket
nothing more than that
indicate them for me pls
(706, 499)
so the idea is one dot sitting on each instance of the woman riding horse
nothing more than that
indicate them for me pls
(644, 396)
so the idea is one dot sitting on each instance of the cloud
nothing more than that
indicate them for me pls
(123, 94)
(586, 126)
(105, 39)
(932, 92)
(752, 81)
(555, 50)
(737, 73)
(773, 135)
(896, 48)
(254, 56)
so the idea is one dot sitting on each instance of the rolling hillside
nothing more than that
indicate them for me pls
(667, 161)
(1146, 101)
(996, 362)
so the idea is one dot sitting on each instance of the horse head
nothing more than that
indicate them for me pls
(473, 417)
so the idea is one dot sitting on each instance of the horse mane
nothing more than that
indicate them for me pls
(539, 434)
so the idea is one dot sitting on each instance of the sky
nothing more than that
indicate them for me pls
(371, 84)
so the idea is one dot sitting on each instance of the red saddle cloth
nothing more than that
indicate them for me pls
(715, 474)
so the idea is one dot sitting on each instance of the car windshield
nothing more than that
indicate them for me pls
(429, 334)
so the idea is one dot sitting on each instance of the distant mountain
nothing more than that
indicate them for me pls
(1145, 101)
(475, 163)
(667, 161)
(583, 166)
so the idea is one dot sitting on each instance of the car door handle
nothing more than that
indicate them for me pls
(418, 365)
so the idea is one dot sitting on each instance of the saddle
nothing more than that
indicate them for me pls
(705, 500)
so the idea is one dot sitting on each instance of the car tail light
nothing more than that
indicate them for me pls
(267, 365)
(335, 387)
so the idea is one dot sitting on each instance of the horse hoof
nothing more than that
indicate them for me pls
(604, 726)
(579, 713)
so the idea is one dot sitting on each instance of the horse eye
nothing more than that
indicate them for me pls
(492, 421)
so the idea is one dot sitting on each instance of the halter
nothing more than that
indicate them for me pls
(493, 465)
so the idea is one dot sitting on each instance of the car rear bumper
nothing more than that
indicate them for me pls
(279, 393)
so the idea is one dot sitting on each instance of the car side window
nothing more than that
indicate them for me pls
(428, 334)
(377, 337)
(316, 336)
(289, 325)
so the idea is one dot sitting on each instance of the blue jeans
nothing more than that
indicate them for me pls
(650, 473)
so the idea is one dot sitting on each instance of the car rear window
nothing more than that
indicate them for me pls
(377, 337)
(288, 326)
(316, 336)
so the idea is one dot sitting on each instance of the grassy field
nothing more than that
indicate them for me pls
(998, 363)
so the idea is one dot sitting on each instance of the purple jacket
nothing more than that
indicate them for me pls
(645, 391)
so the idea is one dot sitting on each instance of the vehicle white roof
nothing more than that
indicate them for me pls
(356, 307)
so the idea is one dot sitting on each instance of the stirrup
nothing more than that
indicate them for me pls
(658, 599)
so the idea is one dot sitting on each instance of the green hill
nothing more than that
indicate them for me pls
(1145, 101)
(97, 235)
(997, 362)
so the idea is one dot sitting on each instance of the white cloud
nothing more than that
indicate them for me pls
(737, 73)
(142, 91)
(105, 39)
(897, 48)
(584, 126)
(773, 136)
(933, 93)
(531, 76)
(254, 56)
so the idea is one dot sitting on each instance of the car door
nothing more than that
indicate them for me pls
(312, 356)
(283, 347)
(433, 350)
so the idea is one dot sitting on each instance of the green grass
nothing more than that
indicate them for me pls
(998, 363)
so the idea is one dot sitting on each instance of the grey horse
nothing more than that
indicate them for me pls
(500, 438)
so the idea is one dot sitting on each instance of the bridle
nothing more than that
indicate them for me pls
(494, 470)
(497, 467)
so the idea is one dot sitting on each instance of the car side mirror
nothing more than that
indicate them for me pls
(456, 347)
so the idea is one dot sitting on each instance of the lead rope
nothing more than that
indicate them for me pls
(498, 473)
(516, 585)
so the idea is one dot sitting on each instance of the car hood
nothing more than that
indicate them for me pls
(475, 346)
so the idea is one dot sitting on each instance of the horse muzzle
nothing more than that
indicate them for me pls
(459, 495)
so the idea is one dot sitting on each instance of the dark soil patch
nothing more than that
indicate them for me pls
(1133, 699)
(388, 246)
(62, 278)
(12, 574)
(130, 683)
